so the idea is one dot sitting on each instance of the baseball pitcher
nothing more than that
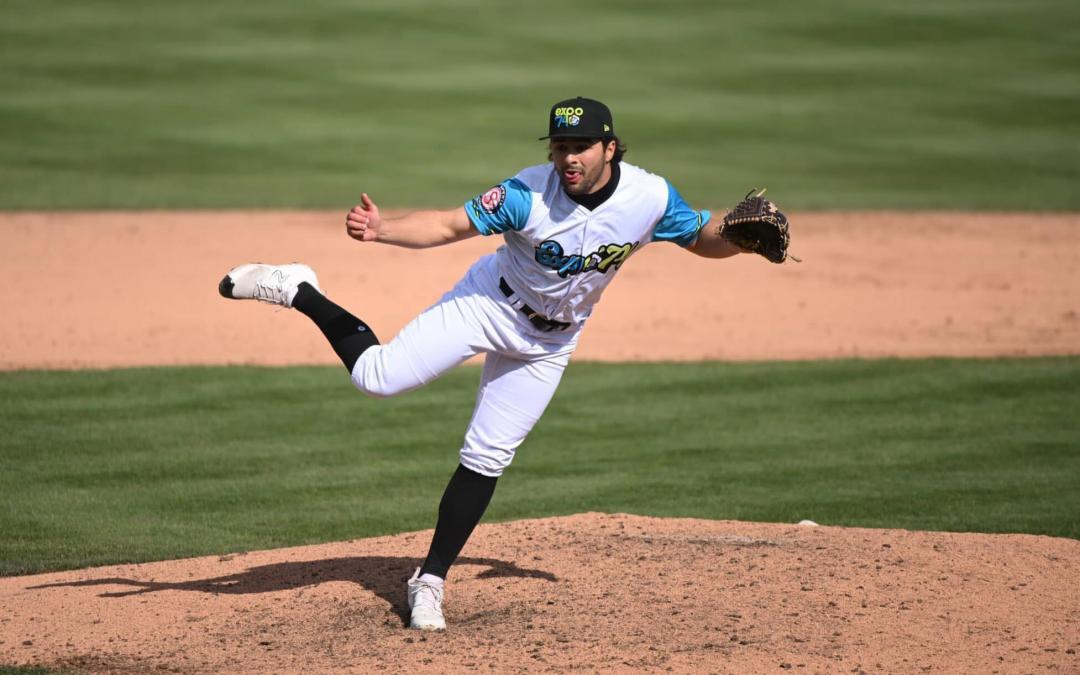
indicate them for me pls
(568, 227)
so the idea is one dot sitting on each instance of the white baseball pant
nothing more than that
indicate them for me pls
(522, 367)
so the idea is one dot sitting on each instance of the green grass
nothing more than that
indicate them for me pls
(144, 464)
(838, 103)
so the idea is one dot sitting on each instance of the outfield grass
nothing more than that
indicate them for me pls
(835, 103)
(144, 464)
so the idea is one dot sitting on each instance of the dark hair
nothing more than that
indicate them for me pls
(620, 148)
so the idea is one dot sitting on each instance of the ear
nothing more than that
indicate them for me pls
(609, 151)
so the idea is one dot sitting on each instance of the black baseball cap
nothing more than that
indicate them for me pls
(580, 118)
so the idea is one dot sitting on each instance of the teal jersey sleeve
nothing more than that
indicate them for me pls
(680, 223)
(502, 208)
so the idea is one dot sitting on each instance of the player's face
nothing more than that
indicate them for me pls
(583, 164)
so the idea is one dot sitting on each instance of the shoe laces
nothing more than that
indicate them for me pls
(427, 595)
(272, 289)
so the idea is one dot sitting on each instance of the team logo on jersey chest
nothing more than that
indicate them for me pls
(606, 257)
(491, 200)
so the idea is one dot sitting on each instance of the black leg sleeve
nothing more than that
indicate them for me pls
(348, 335)
(464, 502)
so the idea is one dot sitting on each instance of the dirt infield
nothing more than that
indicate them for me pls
(104, 290)
(590, 592)
(593, 593)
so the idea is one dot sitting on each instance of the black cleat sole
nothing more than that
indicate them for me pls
(225, 288)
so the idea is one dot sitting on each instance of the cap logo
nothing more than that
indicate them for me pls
(568, 116)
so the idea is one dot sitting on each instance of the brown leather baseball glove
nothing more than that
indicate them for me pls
(757, 226)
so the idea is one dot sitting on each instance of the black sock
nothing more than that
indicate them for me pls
(348, 335)
(462, 505)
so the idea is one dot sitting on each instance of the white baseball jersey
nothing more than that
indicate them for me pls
(559, 256)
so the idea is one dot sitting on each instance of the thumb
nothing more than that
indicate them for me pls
(366, 201)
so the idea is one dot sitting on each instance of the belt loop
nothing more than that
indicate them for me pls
(505, 287)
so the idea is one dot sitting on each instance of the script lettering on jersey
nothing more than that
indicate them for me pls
(607, 257)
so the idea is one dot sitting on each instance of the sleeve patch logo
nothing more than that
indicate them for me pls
(493, 199)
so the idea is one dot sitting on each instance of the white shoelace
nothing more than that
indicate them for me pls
(428, 597)
(271, 292)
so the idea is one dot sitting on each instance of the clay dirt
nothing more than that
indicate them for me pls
(591, 592)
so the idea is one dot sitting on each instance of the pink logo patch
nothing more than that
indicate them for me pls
(491, 200)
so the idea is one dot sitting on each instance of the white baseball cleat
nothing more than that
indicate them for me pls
(276, 284)
(425, 601)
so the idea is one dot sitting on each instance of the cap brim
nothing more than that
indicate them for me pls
(581, 134)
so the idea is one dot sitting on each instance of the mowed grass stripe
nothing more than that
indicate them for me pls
(836, 103)
(145, 464)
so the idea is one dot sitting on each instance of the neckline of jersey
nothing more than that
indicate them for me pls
(595, 199)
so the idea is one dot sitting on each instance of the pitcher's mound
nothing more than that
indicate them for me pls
(587, 592)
